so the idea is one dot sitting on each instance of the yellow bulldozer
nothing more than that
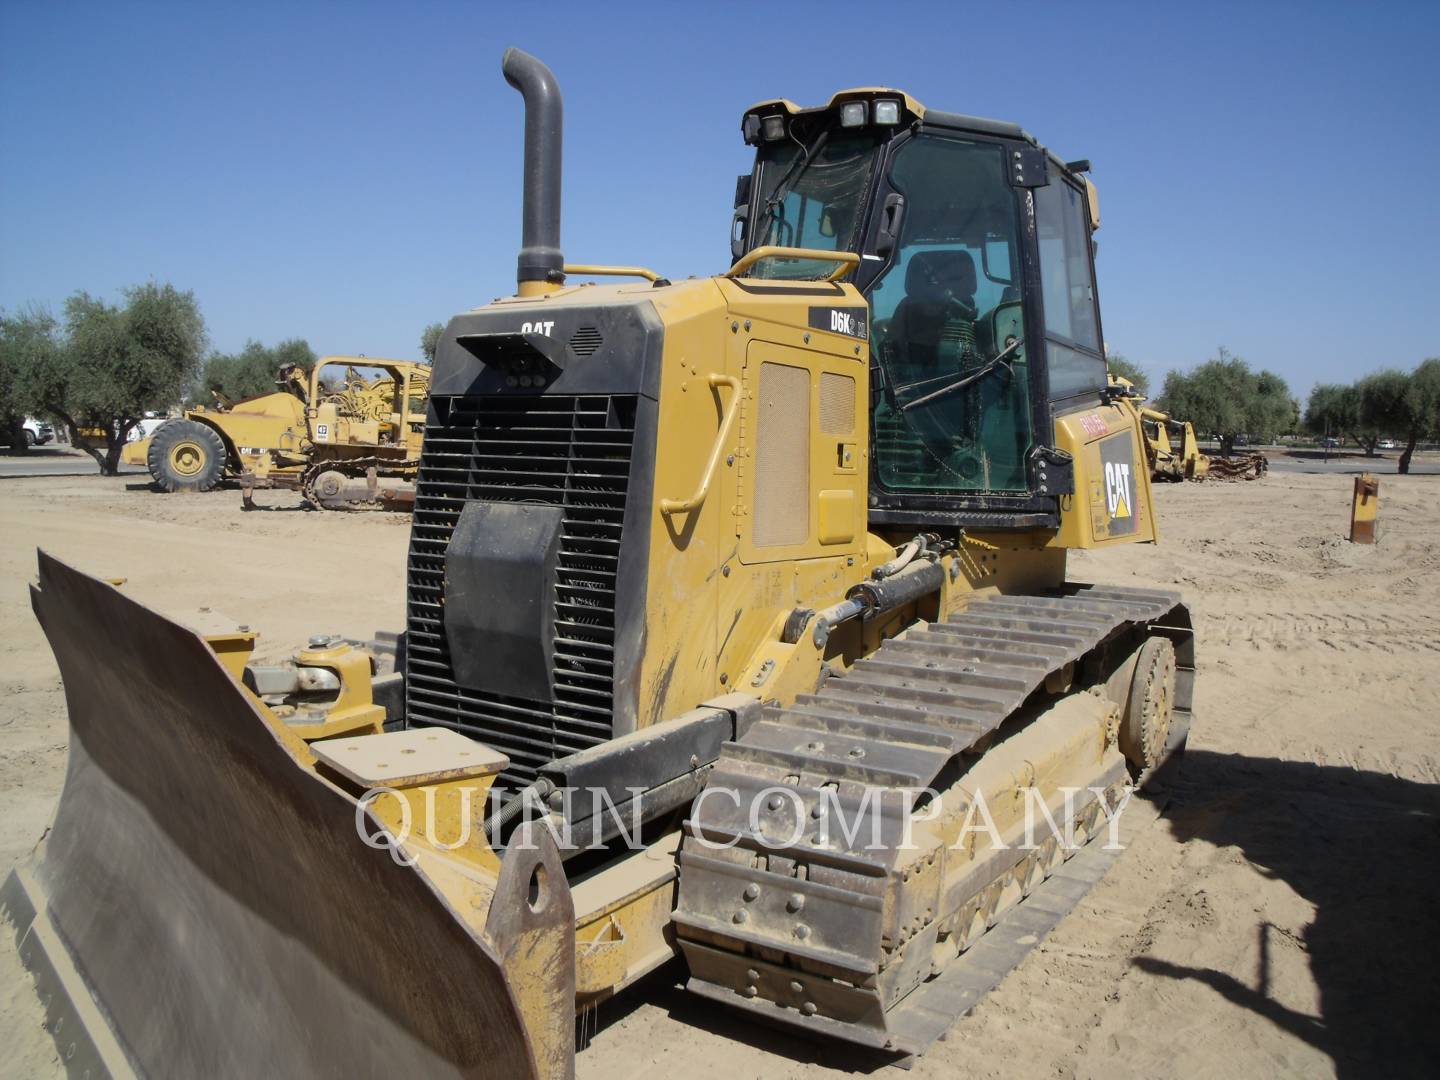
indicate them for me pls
(1170, 445)
(739, 637)
(346, 434)
(1173, 452)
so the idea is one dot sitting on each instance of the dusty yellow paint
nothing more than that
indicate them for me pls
(1092, 200)
(725, 599)
(847, 260)
(1365, 509)
(1085, 519)
(719, 598)
(1069, 748)
(612, 271)
(275, 433)
(855, 93)
(233, 650)
(354, 711)
(622, 920)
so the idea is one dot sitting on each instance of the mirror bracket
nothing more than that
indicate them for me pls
(1027, 167)
(891, 215)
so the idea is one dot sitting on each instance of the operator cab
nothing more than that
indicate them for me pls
(977, 261)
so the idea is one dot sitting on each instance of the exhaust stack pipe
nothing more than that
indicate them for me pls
(541, 265)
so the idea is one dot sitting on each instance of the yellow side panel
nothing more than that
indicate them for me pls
(799, 436)
(783, 523)
(263, 430)
(279, 406)
(839, 517)
(686, 549)
(1112, 501)
(135, 453)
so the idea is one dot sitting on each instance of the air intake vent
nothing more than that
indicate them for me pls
(567, 451)
(585, 341)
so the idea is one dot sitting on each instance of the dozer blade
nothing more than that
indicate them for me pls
(204, 905)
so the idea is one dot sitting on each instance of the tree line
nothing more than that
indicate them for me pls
(102, 367)
(1224, 397)
(99, 368)
(1403, 405)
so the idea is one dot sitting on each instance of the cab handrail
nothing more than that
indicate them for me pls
(848, 259)
(611, 271)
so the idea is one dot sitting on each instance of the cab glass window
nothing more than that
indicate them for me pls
(1076, 361)
(952, 393)
(813, 198)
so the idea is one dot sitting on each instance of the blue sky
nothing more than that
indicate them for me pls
(348, 173)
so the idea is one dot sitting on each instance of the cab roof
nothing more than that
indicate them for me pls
(913, 109)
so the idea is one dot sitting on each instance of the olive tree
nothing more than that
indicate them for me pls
(430, 340)
(231, 377)
(1402, 404)
(110, 364)
(1334, 409)
(24, 338)
(1225, 398)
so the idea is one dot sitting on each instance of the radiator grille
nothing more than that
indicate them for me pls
(567, 451)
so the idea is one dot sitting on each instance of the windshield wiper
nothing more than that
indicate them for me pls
(1001, 360)
(788, 180)
(918, 383)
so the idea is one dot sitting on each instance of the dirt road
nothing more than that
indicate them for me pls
(1277, 919)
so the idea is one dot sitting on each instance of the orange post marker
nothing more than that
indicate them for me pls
(1365, 510)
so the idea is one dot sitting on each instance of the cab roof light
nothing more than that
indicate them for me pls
(750, 128)
(852, 114)
(887, 113)
(773, 127)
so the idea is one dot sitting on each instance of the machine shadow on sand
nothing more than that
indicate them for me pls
(665, 989)
(1364, 849)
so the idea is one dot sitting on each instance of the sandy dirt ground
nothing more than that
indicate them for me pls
(1280, 918)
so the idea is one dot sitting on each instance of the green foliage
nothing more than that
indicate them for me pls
(430, 340)
(1333, 410)
(28, 341)
(10, 366)
(1127, 369)
(1405, 405)
(27, 338)
(252, 371)
(1425, 390)
(1384, 404)
(111, 365)
(1273, 411)
(1225, 398)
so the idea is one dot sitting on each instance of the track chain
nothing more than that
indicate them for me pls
(405, 468)
(788, 899)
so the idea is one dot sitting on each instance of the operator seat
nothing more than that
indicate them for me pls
(939, 301)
